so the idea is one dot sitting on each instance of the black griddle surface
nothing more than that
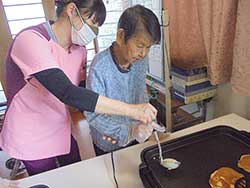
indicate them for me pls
(200, 155)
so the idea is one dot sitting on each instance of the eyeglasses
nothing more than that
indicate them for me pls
(94, 29)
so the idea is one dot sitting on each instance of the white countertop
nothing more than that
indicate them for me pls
(97, 172)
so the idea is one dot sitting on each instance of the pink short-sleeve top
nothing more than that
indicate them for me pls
(37, 125)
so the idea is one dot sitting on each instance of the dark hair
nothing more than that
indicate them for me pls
(134, 17)
(94, 7)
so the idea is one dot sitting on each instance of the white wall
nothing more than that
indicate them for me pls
(229, 102)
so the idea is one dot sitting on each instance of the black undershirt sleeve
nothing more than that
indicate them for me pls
(59, 85)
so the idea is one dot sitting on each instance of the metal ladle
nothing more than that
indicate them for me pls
(168, 163)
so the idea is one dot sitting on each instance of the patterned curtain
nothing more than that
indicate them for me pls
(241, 58)
(187, 47)
(212, 33)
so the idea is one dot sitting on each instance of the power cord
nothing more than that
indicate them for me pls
(113, 167)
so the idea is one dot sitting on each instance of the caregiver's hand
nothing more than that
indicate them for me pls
(145, 113)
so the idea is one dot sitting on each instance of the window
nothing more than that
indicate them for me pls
(2, 95)
(3, 102)
(107, 32)
(22, 14)
(91, 51)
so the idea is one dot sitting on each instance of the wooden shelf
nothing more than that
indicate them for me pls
(180, 118)
(175, 104)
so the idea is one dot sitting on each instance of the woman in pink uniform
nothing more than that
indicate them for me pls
(45, 71)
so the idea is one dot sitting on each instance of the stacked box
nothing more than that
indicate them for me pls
(191, 86)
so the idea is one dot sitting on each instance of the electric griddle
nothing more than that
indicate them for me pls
(200, 155)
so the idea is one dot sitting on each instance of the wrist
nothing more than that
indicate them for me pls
(130, 110)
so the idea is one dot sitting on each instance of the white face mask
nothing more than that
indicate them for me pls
(84, 36)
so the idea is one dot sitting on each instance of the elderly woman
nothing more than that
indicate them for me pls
(119, 72)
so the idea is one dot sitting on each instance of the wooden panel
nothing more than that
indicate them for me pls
(167, 71)
(81, 132)
(5, 40)
(49, 9)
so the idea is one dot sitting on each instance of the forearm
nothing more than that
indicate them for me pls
(142, 112)
(60, 86)
(115, 107)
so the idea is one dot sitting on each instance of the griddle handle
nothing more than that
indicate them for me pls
(146, 177)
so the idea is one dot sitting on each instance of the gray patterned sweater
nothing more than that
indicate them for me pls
(106, 79)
